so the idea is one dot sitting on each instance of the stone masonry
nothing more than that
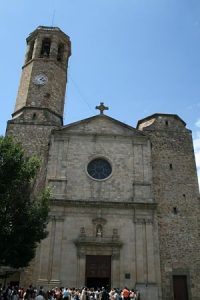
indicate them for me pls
(176, 191)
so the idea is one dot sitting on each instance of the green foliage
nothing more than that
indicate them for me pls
(23, 219)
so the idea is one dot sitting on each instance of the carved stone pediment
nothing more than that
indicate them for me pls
(98, 245)
(100, 221)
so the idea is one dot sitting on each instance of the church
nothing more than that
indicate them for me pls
(124, 207)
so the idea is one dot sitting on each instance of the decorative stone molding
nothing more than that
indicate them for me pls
(56, 218)
(143, 216)
(115, 234)
(98, 245)
(145, 220)
(81, 252)
(104, 204)
(142, 183)
(82, 232)
(116, 253)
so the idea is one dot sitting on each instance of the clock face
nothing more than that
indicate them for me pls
(40, 79)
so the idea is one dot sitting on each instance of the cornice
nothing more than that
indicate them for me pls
(104, 204)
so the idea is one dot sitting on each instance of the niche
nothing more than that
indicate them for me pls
(99, 230)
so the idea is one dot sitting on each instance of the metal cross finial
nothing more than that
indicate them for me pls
(101, 108)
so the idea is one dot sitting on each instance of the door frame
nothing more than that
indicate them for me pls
(181, 272)
(103, 246)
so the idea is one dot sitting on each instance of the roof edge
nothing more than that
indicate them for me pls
(158, 115)
(105, 117)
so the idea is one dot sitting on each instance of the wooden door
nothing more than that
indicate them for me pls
(180, 287)
(98, 270)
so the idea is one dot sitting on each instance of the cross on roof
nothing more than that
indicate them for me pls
(101, 108)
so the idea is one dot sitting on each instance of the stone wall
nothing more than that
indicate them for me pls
(129, 156)
(35, 141)
(175, 187)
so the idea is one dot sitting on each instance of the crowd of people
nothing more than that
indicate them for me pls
(64, 293)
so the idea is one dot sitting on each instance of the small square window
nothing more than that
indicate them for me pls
(127, 275)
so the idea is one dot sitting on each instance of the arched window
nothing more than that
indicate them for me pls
(46, 45)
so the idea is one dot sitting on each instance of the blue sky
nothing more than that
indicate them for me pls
(139, 57)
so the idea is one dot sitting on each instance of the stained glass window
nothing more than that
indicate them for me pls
(99, 168)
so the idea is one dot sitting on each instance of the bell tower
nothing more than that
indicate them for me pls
(44, 76)
(40, 100)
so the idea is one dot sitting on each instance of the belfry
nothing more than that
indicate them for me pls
(114, 188)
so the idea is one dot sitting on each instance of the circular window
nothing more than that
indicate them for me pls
(99, 168)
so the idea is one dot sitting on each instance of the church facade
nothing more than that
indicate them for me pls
(125, 201)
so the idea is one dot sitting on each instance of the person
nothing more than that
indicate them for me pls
(137, 294)
(126, 293)
(117, 295)
(84, 294)
(15, 295)
(104, 295)
(66, 294)
(43, 292)
(112, 294)
(39, 296)
(132, 295)
(58, 294)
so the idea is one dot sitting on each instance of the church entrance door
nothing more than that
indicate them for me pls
(98, 271)
(180, 287)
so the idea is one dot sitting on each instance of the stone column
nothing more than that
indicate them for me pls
(37, 47)
(150, 253)
(66, 53)
(115, 268)
(140, 255)
(81, 261)
(146, 281)
(27, 53)
(43, 269)
(50, 258)
(56, 246)
(54, 47)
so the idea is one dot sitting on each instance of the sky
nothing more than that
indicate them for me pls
(139, 57)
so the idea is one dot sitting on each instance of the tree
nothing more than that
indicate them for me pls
(23, 217)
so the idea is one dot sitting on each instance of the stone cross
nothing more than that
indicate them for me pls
(101, 108)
